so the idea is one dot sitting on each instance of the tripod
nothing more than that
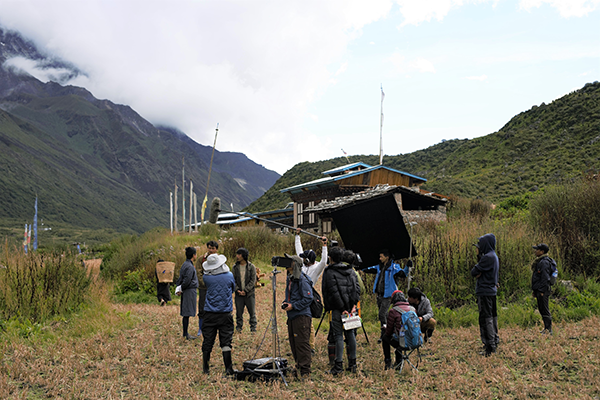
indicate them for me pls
(270, 367)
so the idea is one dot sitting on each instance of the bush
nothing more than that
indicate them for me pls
(37, 286)
(569, 214)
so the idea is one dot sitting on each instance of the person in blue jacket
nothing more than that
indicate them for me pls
(220, 285)
(385, 283)
(298, 296)
(486, 272)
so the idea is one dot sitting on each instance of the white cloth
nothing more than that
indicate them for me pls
(315, 271)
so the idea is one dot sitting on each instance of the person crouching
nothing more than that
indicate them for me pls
(394, 323)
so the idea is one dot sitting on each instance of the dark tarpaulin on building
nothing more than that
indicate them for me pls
(368, 226)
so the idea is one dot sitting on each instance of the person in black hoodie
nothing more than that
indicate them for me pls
(341, 293)
(486, 272)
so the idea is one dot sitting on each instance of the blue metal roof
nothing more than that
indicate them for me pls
(346, 168)
(330, 181)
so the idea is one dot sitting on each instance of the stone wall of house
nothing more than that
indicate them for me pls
(429, 215)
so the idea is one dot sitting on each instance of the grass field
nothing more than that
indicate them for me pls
(135, 351)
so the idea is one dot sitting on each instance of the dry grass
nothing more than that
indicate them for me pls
(136, 351)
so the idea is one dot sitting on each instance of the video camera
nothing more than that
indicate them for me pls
(283, 262)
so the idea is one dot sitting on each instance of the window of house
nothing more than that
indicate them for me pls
(326, 226)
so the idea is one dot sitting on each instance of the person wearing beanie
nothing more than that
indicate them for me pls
(394, 322)
(298, 296)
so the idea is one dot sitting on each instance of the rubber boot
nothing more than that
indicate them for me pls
(205, 361)
(199, 327)
(228, 364)
(337, 369)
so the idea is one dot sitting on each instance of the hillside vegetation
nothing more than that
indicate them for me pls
(548, 144)
(97, 165)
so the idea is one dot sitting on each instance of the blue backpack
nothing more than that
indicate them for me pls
(553, 271)
(411, 329)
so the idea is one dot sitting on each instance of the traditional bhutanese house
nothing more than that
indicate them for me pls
(267, 218)
(347, 180)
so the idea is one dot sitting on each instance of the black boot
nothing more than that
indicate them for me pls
(205, 361)
(351, 365)
(337, 369)
(228, 364)
(388, 363)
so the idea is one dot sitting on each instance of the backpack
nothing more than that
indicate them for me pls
(553, 271)
(411, 329)
(316, 306)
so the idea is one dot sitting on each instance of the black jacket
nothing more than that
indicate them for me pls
(540, 277)
(340, 288)
(487, 268)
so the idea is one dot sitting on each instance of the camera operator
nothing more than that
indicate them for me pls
(298, 296)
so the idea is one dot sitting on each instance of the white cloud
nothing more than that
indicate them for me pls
(415, 12)
(37, 70)
(419, 64)
(253, 66)
(342, 69)
(566, 8)
(477, 78)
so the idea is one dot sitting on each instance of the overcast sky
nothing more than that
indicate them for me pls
(292, 81)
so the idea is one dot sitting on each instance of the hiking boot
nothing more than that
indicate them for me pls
(351, 365)
(337, 369)
(189, 337)
(546, 332)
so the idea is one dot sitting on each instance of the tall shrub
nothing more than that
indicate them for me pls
(37, 286)
(569, 214)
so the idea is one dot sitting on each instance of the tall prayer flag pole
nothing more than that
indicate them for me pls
(381, 129)
(209, 171)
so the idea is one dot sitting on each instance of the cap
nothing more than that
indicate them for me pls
(542, 246)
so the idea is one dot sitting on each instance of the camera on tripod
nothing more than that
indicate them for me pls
(283, 262)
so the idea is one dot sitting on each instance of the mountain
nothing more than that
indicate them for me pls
(548, 144)
(95, 164)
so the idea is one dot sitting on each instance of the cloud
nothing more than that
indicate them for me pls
(419, 64)
(477, 78)
(38, 70)
(566, 8)
(253, 67)
(416, 12)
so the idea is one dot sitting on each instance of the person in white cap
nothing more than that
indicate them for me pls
(218, 308)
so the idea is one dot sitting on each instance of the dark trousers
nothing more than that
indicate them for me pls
(299, 333)
(543, 303)
(488, 322)
(250, 303)
(338, 332)
(383, 303)
(201, 301)
(386, 342)
(221, 323)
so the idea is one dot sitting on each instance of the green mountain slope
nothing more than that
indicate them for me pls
(96, 164)
(547, 144)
